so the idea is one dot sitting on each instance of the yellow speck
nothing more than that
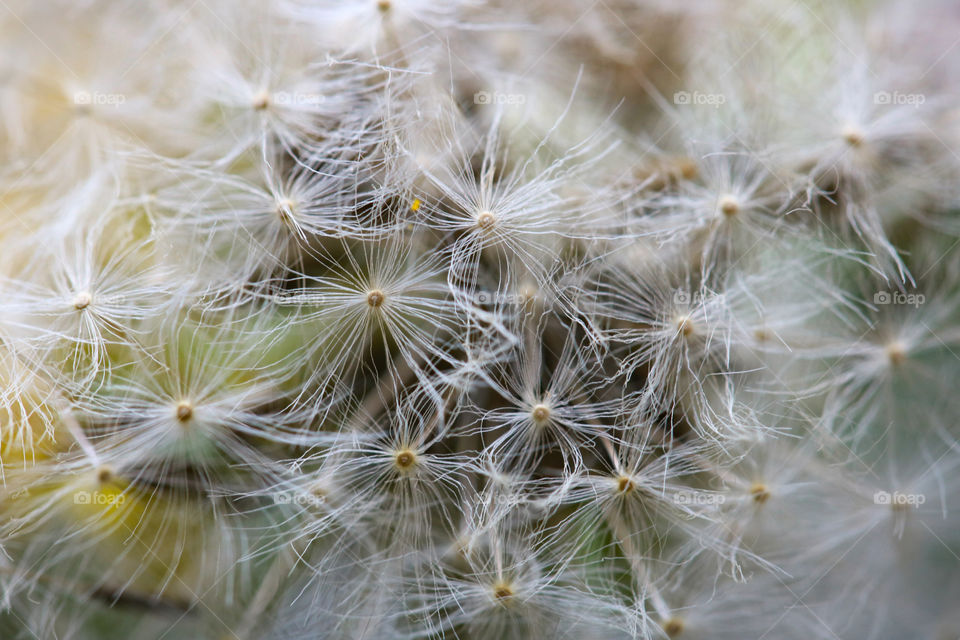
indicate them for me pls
(416, 205)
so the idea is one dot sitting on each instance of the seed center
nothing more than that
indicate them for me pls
(684, 325)
(502, 591)
(760, 493)
(485, 219)
(82, 300)
(852, 135)
(375, 298)
(261, 101)
(729, 205)
(540, 413)
(897, 352)
(184, 411)
(405, 459)
(673, 627)
(104, 475)
(285, 209)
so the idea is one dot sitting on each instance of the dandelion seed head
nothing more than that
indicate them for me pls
(286, 211)
(729, 205)
(184, 411)
(685, 325)
(319, 490)
(896, 352)
(485, 220)
(405, 460)
(105, 474)
(82, 300)
(503, 592)
(376, 332)
(375, 298)
(760, 493)
(852, 135)
(540, 414)
(673, 627)
(261, 100)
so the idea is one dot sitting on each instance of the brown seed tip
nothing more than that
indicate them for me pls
(285, 209)
(684, 325)
(673, 627)
(184, 411)
(485, 219)
(104, 475)
(852, 135)
(540, 413)
(82, 301)
(625, 484)
(261, 101)
(896, 352)
(729, 205)
(384, 5)
(375, 298)
(760, 493)
(687, 168)
(502, 591)
(405, 459)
